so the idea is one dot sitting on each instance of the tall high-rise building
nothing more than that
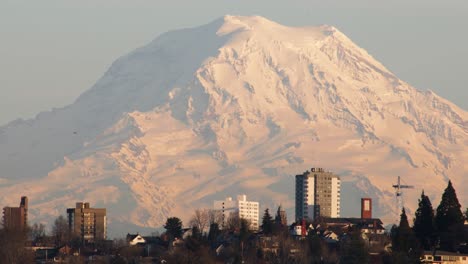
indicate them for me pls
(90, 224)
(240, 208)
(16, 218)
(317, 194)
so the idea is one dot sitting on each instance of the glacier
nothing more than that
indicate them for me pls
(239, 105)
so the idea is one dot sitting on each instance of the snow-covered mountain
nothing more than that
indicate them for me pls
(239, 105)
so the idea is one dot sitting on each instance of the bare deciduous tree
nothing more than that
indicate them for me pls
(215, 217)
(38, 232)
(12, 248)
(60, 231)
(200, 219)
(233, 221)
(291, 251)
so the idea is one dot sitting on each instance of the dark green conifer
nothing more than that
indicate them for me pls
(173, 227)
(424, 222)
(405, 246)
(449, 209)
(449, 220)
(267, 223)
(401, 233)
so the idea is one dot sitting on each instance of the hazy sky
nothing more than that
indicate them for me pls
(51, 51)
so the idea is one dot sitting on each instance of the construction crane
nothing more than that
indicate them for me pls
(399, 195)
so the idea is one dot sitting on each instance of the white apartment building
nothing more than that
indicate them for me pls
(241, 207)
(317, 194)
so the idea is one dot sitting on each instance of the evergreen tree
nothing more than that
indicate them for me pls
(405, 246)
(466, 214)
(449, 209)
(449, 220)
(267, 223)
(424, 222)
(400, 241)
(404, 224)
(173, 227)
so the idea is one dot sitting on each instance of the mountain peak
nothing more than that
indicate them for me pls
(235, 106)
(249, 20)
(262, 25)
(233, 24)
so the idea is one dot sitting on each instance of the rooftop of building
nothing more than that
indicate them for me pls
(444, 253)
(240, 198)
(351, 220)
(84, 206)
(317, 170)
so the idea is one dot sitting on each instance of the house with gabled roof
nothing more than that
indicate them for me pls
(135, 239)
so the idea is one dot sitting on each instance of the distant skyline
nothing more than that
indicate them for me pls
(51, 51)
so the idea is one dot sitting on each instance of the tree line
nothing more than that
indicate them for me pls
(440, 229)
(14, 241)
(211, 239)
(273, 243)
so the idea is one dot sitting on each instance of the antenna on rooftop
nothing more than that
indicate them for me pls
(399, 195)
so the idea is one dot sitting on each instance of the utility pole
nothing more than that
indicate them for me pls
(399, 195)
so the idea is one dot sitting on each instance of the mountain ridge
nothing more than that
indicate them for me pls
(238, 105)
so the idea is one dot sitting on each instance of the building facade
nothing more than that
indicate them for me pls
(16, 218)
(240, 208)
(90, 224)
(317, 194)
(444, 257)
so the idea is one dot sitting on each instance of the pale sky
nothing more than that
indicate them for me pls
(53, 50)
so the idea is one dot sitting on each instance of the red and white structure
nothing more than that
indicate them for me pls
(366, 208)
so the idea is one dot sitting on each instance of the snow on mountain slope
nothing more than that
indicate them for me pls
(239, 105)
